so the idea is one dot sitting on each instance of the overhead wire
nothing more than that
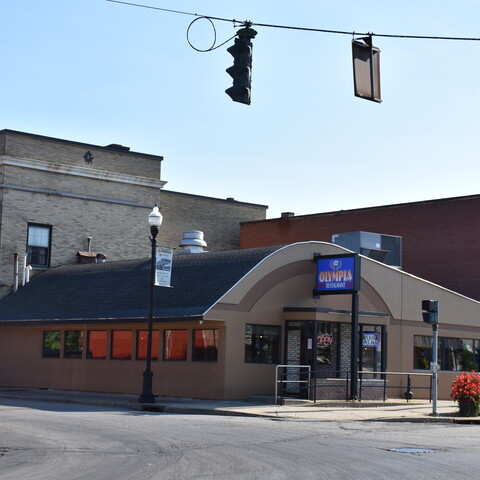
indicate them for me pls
(174, 11)
(305, 29)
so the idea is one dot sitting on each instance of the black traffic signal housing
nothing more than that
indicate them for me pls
(241, 71)
(430, 311)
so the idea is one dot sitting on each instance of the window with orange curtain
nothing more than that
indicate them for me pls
(97, 344)
(142, 336)
(205, 345)
(122, 344)
(175, 345)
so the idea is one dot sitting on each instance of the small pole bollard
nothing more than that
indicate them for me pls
(409, 393)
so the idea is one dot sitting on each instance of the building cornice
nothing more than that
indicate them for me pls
(80, 171)
(7, 186)
(108, 148)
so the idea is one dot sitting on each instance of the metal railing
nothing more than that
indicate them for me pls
(306, 384)
(283, 381)
(408, 393)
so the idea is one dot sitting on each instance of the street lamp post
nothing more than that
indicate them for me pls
(155, 220)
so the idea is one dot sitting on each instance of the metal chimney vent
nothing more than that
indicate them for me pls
(192, 242)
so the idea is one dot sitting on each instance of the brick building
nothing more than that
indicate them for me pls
(440, 238)
(55, 194)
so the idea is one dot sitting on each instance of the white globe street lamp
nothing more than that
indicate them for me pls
(155, 220)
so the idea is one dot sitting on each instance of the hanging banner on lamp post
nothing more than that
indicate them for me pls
(163, 271)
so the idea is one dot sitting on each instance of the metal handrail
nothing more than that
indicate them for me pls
(396, 373)
(277, 381)
(408, 394)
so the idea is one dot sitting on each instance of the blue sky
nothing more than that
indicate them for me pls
(100, 72)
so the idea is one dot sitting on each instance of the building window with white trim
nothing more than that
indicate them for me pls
(39, 245)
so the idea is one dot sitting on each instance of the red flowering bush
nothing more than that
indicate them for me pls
(466, 387)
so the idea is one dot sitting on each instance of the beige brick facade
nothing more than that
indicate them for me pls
(218, 219)
(106, 193)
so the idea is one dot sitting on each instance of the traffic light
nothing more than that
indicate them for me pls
(241, 71)
(366, 69)
(430, 311)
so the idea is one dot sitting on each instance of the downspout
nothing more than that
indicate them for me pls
(24, 278)
(15, 272)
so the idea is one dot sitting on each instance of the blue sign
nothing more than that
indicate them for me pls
(337, 274)
(370, 339)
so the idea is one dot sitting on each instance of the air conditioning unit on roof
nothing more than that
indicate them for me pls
(384, 248)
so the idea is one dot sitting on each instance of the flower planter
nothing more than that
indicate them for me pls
(468, 408)
(466, 391)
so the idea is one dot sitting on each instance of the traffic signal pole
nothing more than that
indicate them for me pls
(430, 316)
(435, 369)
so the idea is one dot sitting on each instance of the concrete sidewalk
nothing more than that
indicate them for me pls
(390, 411)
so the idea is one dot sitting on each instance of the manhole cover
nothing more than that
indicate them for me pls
(4, 451)
(412, 450)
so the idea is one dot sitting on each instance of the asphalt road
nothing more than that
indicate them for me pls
(44, 440)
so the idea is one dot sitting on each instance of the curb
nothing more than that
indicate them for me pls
(142, 407)
(278, 416)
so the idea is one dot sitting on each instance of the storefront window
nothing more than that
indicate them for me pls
(175, 345)
(142, 336)
(324, 343)
(476, 351)
(205, 345)
(422, 352)
(262, 344)
(454, 354)
(51, 344)
(97, 344)
(122, 344)
(73, 344)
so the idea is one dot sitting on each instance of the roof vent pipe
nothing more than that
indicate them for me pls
(192, 242)
(27, 274)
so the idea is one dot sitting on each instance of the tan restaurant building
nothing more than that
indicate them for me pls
(224, 325)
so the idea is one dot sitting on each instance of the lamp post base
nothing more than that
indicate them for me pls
(147, 395)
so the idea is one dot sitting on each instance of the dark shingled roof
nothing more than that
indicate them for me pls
(120, 290)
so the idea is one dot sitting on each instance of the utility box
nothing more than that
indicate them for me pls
(383, 248)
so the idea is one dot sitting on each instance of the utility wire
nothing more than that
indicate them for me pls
(174, 11)
(305, 29)
(369, 34)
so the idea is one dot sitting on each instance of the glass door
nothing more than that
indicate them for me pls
(371, 349)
